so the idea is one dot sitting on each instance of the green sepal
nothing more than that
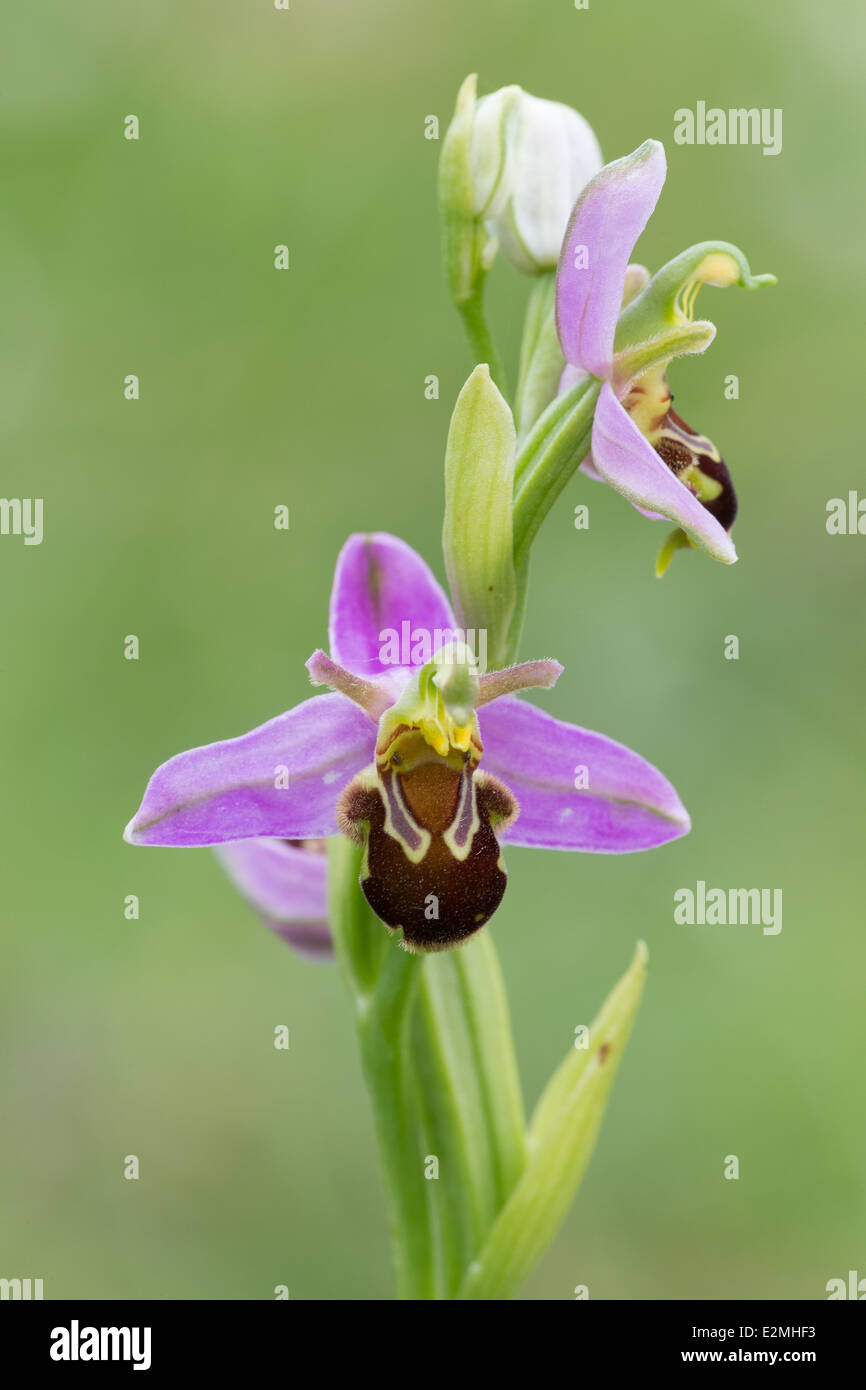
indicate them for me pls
(477, 537)
(657, 352)
(561, 1140)
(465, 241)
(667, 300)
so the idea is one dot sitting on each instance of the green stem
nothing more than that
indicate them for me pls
(383, 1001)
(479, 334)
(470, 1094)
(448, 1261)
(455, 1116)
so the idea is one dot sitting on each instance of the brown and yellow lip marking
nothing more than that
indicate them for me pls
(432, 861)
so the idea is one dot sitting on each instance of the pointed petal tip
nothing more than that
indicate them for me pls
(672, 808)
(724, 549)
(606, 223)
(648, 161)
(281, 779)
(682, 818)
(577, 789)
(650, 148)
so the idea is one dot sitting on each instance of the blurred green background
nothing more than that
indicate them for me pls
(306, 388)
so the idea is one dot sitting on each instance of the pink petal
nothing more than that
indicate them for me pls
(607, 220)
(288, 886)
(232, 790)
(627, 805)
(381, 585)
(630, 464)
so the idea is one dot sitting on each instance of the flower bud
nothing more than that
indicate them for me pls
(512, 166)
(530, 160)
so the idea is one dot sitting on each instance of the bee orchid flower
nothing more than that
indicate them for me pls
(620, 326)
(416, 755)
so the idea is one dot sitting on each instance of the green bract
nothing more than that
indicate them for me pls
(477, 531)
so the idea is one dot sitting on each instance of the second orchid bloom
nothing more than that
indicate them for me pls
(606, 335)
(622, 327)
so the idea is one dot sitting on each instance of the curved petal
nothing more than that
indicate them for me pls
(630, 464)
(621, 802)
(287, 884)
(607, 220)
(381, 585)
(235, 789)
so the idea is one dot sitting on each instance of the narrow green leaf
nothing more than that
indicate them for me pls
(561, 1140)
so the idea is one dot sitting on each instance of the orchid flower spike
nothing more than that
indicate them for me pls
(417, 754)
(623, 327)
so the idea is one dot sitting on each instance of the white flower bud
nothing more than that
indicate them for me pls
(530, 160)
